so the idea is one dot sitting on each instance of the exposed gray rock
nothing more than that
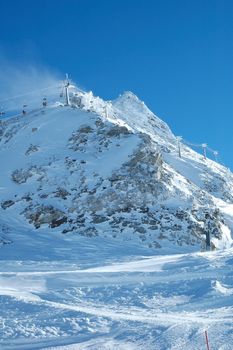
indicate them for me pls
(7, 204)
(116, 131)
(40, 215)
(61, 193)
(22, 175)
(31, 149)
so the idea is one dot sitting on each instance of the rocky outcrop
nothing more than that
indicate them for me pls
(7, 204)
(22, 175)
(40, 215)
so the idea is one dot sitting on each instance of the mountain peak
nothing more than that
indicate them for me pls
(129, 95)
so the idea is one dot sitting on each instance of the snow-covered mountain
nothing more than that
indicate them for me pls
(94, 198)
(99, 168)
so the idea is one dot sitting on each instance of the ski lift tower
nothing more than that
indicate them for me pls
(66, 86)
(216, 155)
(179, 139)
(204, 146)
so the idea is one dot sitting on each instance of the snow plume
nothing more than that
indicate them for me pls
(25, 83)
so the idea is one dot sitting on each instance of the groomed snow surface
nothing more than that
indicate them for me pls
(105, 294)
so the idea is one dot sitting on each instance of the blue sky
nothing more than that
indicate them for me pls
(176, 55)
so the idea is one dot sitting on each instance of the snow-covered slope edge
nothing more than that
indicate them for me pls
(109, 169)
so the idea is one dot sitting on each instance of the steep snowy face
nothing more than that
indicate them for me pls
(111, 169)
(136, 114)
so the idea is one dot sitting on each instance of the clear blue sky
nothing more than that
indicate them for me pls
(176, 55)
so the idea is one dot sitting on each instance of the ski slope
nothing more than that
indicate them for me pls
(127, 302)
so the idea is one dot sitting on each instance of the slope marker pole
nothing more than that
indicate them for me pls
(207, 341)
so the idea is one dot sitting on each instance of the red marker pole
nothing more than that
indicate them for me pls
(207, 341)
